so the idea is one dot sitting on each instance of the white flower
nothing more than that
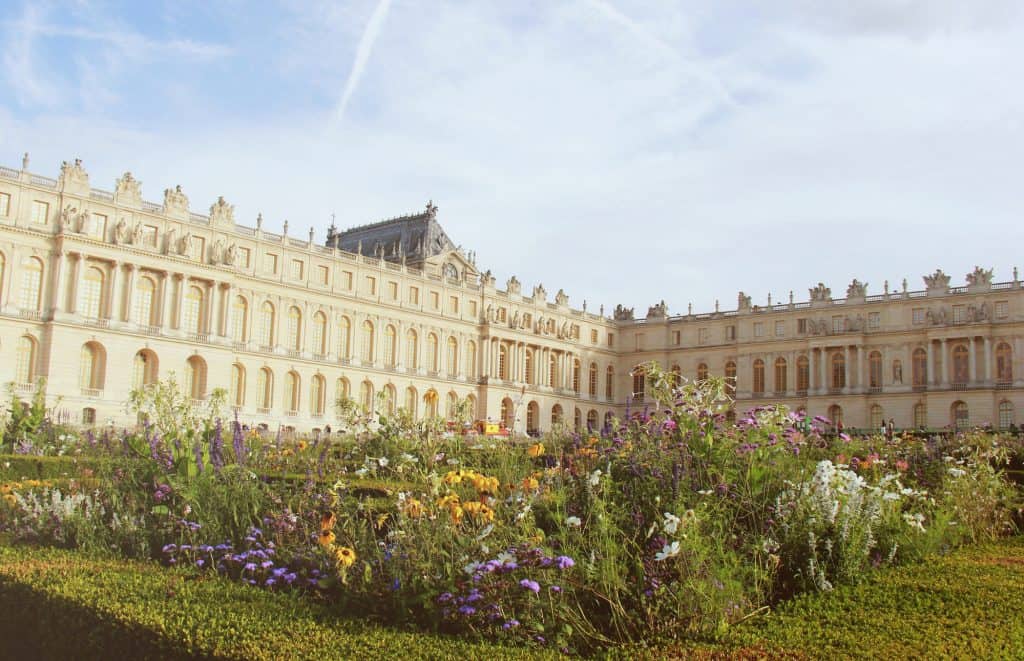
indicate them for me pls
(408, 458)
(671, 523)
(669, 551)
(573, 522)
(595, 478)
(957, 472)
(471, 568)
(505, 557)
(915, 520)
(890, 495)
(362, 472)
(383, 462)
(706, 492)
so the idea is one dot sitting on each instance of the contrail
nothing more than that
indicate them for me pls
(662, 47)
(363, 51)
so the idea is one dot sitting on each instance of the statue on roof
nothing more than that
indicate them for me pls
(431, 209)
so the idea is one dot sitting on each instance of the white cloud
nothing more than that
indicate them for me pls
(363, 51)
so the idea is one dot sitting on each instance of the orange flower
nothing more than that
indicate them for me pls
(413, 508)
(535, 450)
(478, 510)
(327, 520)
(530, 483)
(326, 538)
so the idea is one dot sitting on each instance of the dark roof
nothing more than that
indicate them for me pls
(415, 237)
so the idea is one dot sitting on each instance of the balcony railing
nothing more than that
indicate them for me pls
(267, 348)
(25, 387)
(262, 410)
(295, 353)
(920, 388)
(203, 338)
(320, 356)
(292, 414)
(874, 390)
(151, 330)
(97, 322)
(31, 314)
(958, 386)
(238, 346)
(93, 393)
(801, 393)
(1003, 385)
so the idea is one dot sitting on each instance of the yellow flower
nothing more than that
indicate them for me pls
(485, 484)
(456, 513)
(382, 519)
(479, 511)
(326, 538)
(593, 440)
(453, 477)
(587, 452)
(449, 500)
(327, 520)
(535, 450)
(413, 508)
(11, 500)
(531, 483)
(5, 488)
(344, 557)
(302, 446)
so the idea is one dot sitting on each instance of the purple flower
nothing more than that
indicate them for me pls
(444, 597)
(564, 562)
(250, 566)
(555, 589)
(238, 441)
(467, 610)
(530, 585)
(510, 624)
(217, 447)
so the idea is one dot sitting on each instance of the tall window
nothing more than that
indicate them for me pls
(31, 283)
(25, 365)
(529, 366)
(267, 324)
(195, 377)
(412, 341)
(40, 212)
(876, 417)
(411, 401)
(389, 346)
(838, 370)
(1004, 363)
(320, 333)
(730, 378)
(506, 412)
(835, 414)
(556, 414)
(758, 374)
(237, 385)
(702, 372)
(552, 371)
(144, 369)
(145, 291)
(592, 380)
(961, 416)
(316, 395)
(344, 338)
(343, 390)
(265, 388)
(451, 405)
(576, 376)
(920, 415)
(532, 416)
(430, 403)
(803, 374)
(639, 384)
(609, 382)
(471, 359)
(389, 398)
(292, 391)
(875, 369)
(367, 351)
(239, 319)
(453, 356)
(502, 361)
(194, 310)
(91, 366)
(960, 367)
(1005, 414)
(366, 396)
(90, 293)
(294, 329)
(780, 375)
(431, 352)
(919, 362)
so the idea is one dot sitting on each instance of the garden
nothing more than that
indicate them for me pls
(668, 528)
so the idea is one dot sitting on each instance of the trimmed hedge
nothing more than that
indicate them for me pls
(969, 604)
(31, 467)
(57, 604)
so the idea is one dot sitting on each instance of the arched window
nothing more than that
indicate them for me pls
(3, 270)
(292, 391)
(961, 416)
(143, 308)
(781, 369)
(390, 346)
(875, 370)
(367, 351)
(1004, 363)
(897, 371)
(532, 416)
(451, 406)
(25, 367)
(758, 374)
(92, 366)
(1005, 414)
(528, 371)
(430, 403)
(411, 401)
(592, 380)
(835, 414)
(90, 293)
(344, 338)
(577, 419)
(919, 363)
(803, 374)
(239, 319)
(471, 406)
(265, 388)
(453, 356)
(431, 352)
(502, 361)
(193, 310)
(267, 325)
(592, 420)
(730, 378)
(195, 377)
(639, 384)
(237, 385)
(920, 415)
(317, 393)
(609, 383)
(471, 359)
(702, 372)
(553, 370)
(342, 390)
(506, 412)
(412, 350)
(877, 416)
(320, 333)
(389, 399)
(145, 368)
(294, 329)
(366, 396)
(961, 374)
(556, 414)
(576, 376)
(31, 283)
(838, 370)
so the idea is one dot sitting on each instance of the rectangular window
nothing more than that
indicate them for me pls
(958, 314)
(453, 304)
(640, 341)
(874, 320)
(1002, 309)
(780, 329)
(99, 227)
(244, 255)
(702, 336)
(40, 212)
(5, 204)
(198, 248)
(435, 300)
(323, 275)
(297, 268)
(346, 279)
(371, 285)
(838, 323)
(758, 329)
(611, 339)
(270, 263)
(414, 295)
(149, 234)
(472, 309)
(593, 336)
(677, 337)
(392, 290)
(918, 315)
(730, 332)
(503, 316)
(801, 326)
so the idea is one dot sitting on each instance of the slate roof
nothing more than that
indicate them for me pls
(415, 237)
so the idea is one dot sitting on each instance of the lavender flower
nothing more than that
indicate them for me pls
(527, 584)
(217, 447)
(198, 449)
(238, 441)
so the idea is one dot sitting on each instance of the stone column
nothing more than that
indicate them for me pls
(862, 363)
(944, 381)
(929, 377)
(129, 292)
(184, 282)
(987, 372)
(847, 371)
(279, 312)
(59, 276)
(229, 309)
(972, 368)
(166, 285)
(114, 298)
(76, 273)
(822, 382)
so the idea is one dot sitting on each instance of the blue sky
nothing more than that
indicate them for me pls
(626, 151)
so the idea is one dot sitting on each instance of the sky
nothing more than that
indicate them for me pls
(626, 151)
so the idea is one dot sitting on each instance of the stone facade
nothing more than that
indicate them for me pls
(101, 291)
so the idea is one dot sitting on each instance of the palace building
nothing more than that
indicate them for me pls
(102, 292)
